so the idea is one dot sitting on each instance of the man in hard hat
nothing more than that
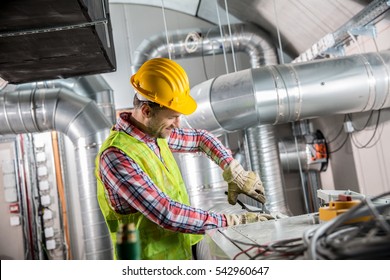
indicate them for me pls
(138, 178)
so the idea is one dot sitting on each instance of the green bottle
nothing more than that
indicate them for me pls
(128, 246)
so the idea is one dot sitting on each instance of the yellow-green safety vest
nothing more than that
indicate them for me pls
(157, 243)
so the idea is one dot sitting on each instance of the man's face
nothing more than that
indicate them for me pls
(162, 121)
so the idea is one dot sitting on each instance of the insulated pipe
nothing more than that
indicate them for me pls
(291, 92)
(47, 109)
(198, 42)
(93, 87)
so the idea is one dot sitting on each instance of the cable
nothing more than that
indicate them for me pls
(365, 125)
(301, 173)
(230, 35)
(339, 132)
(236, 242)
(355, 41)
(280, 249)
(202, 53)
(341, 238)
(361, 146)
(221, 33)
(278, 32)
(165, 26)
(341, 146)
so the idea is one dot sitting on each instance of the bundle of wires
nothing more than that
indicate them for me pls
(336, 239)
(286, 249)
(342, 239)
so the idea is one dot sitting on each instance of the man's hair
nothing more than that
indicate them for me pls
(138, 103)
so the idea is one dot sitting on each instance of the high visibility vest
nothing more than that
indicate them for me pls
(157, 243)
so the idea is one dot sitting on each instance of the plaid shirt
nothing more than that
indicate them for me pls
(131, 190)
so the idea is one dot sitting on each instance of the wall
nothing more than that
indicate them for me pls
(11, 229)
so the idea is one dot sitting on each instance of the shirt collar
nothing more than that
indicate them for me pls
(124, 123)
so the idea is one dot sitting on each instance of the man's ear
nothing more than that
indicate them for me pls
(146, 110)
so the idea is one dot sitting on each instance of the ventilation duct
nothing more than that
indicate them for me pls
(279, 94)
(93, 87)
(291, 92)
(198, 42)
(46, 109)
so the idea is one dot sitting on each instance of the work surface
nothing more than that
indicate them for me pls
(245, 241)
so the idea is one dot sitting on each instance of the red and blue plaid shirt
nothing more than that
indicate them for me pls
(131, 190)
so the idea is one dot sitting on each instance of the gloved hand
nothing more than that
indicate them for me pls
(241, 181)
(247, 218)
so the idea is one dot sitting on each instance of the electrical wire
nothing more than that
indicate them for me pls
(230, 35)
(355, 142)
(363, 232)
(358, 145)
(338, 133)
(221, 34)
(355, 41)
(278, 33)
(344, 238)
(281, 249)
(202, 54)
(166, 29)
(341, 146)
(365, 125)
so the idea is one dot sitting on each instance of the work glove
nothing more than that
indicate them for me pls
(241, 181)
(247, 218)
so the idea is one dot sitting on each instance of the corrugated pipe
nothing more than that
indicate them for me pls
(279, 94)
(47, 109)
(264, 157)
(198, 42)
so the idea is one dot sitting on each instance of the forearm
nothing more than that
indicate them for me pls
(130, 188)
(199, 140)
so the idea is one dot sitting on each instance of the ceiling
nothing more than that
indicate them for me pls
(50, 39)
(300, 23)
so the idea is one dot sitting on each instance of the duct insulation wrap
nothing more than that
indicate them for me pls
(278, 94)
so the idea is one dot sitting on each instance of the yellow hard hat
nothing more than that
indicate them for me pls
(165, 82)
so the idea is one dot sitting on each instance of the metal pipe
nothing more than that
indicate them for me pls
(286, 93)
(93, 87)
(197, 42)
(48, 109)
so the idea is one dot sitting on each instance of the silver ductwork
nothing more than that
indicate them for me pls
(198, 42)
(279, 94)
(291, 92)
(93, 87)
(264, 158)
(46, 109)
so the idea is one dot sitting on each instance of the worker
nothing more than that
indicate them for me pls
(139, 180)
